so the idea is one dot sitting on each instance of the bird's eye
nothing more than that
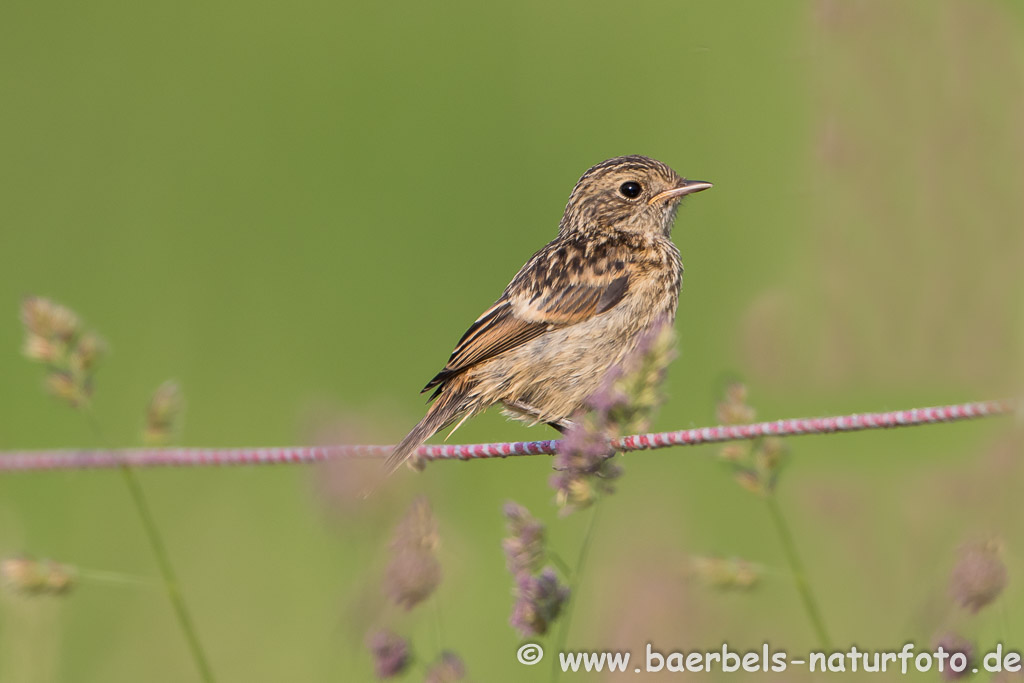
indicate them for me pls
(630, 189)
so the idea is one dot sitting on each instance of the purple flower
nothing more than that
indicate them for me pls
(524, 546)
(609, 396)
(624, 403)
(539, 601)
(390, 654)
(539, 596)
(448, 669)
(584, 448)
(585, 466)
(954, 643)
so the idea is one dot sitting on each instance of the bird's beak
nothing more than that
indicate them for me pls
(687, 187)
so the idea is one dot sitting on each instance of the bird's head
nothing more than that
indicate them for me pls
(627, 194)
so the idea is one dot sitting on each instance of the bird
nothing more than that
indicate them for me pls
(576, 309)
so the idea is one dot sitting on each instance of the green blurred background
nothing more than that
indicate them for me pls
(295, 210)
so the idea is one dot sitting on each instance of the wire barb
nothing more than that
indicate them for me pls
(24, 461)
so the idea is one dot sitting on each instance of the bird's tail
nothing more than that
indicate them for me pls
(450, 405)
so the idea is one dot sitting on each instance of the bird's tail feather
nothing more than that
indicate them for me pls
(449, 406)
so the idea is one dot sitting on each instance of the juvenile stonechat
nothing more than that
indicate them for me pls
(575, 310)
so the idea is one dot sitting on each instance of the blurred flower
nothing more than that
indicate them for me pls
(734, 452)
(412, 577)
(85, 354)
(163, 415)
(979, 575)
(37, 577)
(584, 464)
(954, 643)
(418, 529)
(41, 349)
(48, 320)
(733, 408)
(574, 491)
(539, 601)
(63, 386)
(342, 483)
(53, 336)
(539, 596)
(749, 480)
(632, 390)
(414, 572)
(390, 654)
(724, 573)
(448, 669)
(769, 453)
(585, 447)
(755, 464)
(627, 398)
(524, 546)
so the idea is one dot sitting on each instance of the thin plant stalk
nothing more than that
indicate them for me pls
(803, 586)
(1004, 622)
(102, 576)
(574, 585)
(163, 561)
(562, 565)
(438, 631)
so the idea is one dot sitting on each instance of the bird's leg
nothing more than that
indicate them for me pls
(523, 409)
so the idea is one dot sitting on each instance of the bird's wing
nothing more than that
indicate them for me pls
(552, 290)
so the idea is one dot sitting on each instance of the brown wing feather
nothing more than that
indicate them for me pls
(496, 331)
(499, 333)
(547, 293)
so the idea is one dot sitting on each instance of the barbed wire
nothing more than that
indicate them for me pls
(80, 459)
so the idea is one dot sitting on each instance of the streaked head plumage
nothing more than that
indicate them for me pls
(628, 194)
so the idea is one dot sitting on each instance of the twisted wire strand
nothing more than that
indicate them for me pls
(72, 459)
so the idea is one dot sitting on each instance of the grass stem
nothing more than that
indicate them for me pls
(574, 585)
(163, 561)
(803, 586)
